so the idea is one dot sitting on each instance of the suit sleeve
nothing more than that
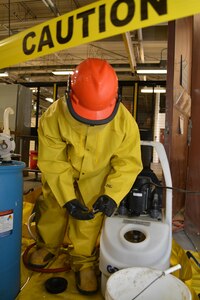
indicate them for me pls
(126, 164)
(57, 173)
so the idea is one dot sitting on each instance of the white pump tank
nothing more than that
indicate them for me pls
(138, 241)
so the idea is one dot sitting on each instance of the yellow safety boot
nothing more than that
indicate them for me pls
(86, 281)
(40, 258)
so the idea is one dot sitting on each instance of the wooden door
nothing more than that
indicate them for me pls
(192, 205)
(178, 104)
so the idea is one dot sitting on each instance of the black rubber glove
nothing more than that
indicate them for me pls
(105, 204)
(78, 211)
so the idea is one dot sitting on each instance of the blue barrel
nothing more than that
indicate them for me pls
(11, 201)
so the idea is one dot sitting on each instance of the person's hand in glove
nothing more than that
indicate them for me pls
(78, 211)
(105, 204)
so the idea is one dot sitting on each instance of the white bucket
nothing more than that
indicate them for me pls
(127, 283)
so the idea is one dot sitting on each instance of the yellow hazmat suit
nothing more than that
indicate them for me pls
(178, 256)
(80, 161)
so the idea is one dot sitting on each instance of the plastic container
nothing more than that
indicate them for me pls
(152, 248)
(128, 283)
(11, 186)
(33, 159)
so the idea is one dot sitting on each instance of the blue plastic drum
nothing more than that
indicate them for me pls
(11, 201)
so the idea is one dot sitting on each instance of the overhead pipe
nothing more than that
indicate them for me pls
(141, 49)
(140, 39)
(129, 47)
(51, 5)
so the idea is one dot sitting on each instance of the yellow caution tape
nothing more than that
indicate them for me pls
(96, 21)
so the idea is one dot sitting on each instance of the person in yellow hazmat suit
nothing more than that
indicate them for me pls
(89, 156)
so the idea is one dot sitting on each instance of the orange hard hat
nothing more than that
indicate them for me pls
(93, 95)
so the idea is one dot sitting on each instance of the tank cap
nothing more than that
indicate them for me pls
(56, 285)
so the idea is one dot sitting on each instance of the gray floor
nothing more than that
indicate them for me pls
(184, 241)
(31, 181)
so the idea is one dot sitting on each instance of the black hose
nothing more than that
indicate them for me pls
(190, 255)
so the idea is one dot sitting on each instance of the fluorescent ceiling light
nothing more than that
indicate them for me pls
(49, 99)
(63, 72)
(33, 89)
(148, 71)
(152, 68)
(3, 74)
(153, 90)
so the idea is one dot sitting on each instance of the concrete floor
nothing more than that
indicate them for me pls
(184, 241)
